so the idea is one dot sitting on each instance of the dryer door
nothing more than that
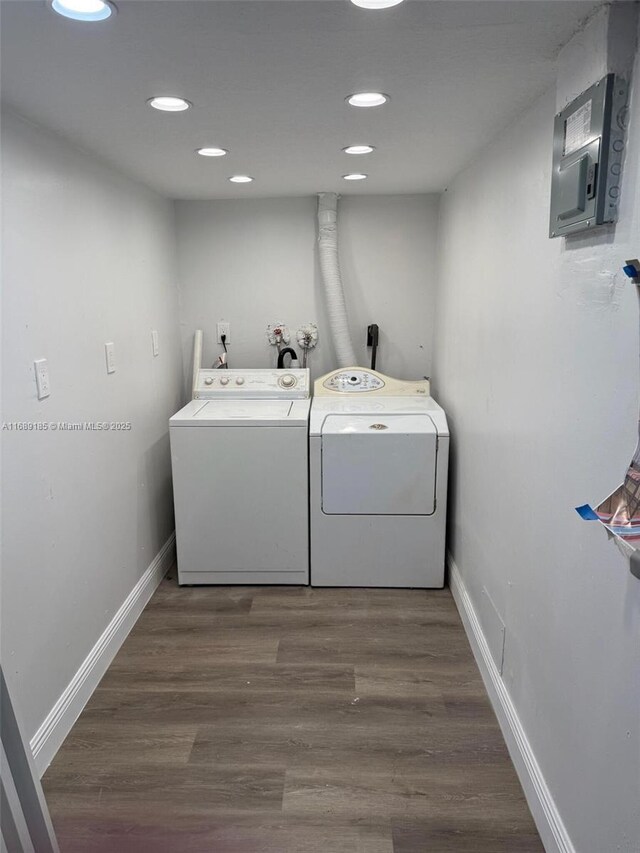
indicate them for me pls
(379, 464)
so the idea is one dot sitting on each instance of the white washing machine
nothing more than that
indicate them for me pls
(239, 455)
(378, 452)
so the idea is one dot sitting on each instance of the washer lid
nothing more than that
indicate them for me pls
(242, 413)
(379, 422)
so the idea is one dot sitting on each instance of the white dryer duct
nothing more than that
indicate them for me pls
(332, 280)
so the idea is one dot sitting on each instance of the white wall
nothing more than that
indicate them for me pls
(254, 262)
(88, 257)
(536, 362)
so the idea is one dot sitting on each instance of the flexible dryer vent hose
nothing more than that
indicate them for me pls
(332, 280)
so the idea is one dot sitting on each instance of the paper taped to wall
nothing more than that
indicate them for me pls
(620, 512)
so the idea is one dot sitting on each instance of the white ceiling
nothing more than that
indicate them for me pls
(268, 81)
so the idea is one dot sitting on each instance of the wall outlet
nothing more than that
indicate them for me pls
(224, 329)
(155, 345)
(110, 357)
(41, 366)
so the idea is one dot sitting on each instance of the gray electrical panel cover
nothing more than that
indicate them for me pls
(588, 150)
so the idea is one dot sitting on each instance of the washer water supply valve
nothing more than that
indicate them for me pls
(278, 334)
(307, 337)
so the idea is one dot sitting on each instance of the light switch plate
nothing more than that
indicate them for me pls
(155, 345)
(41, 366)
(110, 357)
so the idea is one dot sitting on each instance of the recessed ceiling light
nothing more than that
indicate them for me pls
(212, 152)
(169, 104)
(357, 176)
(240, 179)
(358, 149)
(375, 4)
(84, 10)
(367, 99)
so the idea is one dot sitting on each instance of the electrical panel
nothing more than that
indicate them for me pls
(588, 151)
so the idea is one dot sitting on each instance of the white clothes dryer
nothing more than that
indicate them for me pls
(379, 451)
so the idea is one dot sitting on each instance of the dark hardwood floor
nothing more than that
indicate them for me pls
(290, 720)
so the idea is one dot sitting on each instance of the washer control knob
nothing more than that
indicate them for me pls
(208, 381)
(224, 380)
(287, 381)
(240, 380)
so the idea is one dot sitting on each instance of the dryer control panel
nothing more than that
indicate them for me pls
(352, 381)
(359, 380)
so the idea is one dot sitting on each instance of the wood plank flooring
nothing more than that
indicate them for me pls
(290, 720)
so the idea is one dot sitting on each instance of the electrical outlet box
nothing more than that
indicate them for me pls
(155, 344)
(43, 385)
(224, 329)
(588, 152)
(110, 357)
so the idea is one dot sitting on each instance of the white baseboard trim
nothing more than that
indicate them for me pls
(59, 721)
(545, 813)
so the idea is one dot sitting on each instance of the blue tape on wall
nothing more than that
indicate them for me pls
(586, 512)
